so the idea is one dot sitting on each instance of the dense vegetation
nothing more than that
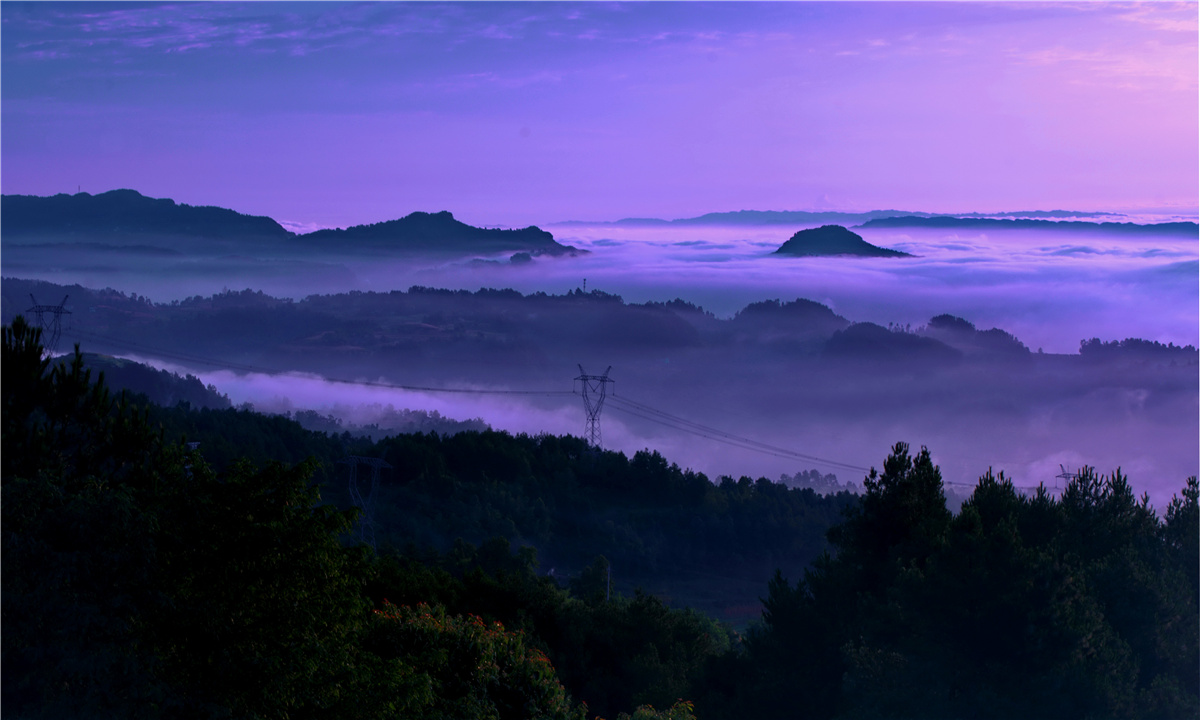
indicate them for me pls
(667, 530)
(140, 581)
(1084, 606)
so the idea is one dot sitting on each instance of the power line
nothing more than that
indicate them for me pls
(646, 412)
(786, 454)
(622, 404)
(1015, 487)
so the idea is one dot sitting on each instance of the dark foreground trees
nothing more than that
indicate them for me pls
(138, 582)
(1084, 607)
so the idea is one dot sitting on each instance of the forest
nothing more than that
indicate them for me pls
(148, 578)
(791, 373)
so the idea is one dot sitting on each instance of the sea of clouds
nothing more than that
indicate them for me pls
(1049, 289)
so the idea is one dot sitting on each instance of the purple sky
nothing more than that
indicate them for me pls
(512, 114)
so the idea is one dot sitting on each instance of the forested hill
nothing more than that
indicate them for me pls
(435, 335)
(158, 386)
(706, 544)
(791, 373)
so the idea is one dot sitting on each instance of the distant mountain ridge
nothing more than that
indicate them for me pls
(916, 221)
(801, 217)
(126, 212)
(120, 214)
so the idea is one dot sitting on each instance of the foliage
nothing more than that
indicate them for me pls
(661, 527)
(1084, 606)
(138, 582)
(471, 669)
(681, 710)
(613, 654)
(78, 553)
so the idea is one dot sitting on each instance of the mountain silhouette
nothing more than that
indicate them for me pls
(439, 232)
(113, 217)
(1170, 228)
(808, 217)
(830, 240)
(126, 212)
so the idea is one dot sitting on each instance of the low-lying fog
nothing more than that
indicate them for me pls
(1150, 433)
(1049, 289)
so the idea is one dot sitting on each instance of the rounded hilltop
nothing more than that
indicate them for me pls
(832, 240)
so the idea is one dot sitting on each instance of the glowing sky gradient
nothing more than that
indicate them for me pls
(512, 114)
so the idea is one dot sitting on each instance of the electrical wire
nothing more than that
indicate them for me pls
(619, 403)
(698, 433)
(646, 412)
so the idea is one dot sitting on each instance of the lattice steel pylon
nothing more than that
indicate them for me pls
(593, 404)
(366, 522)
(50, 334)
(1066, 475)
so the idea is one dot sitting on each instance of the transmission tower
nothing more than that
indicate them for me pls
(595, 388)
(366, 522)
(1066, 475)
(51, 333)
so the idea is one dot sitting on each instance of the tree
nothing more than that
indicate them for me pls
(78, 553)
(1017, 606)
(465, 668)
(137, 582)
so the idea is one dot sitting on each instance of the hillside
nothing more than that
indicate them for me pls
(159, 386)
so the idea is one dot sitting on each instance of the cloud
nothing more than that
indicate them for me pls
(1127, 67)
(1166, 17)
(1072, 250)
(113, 31)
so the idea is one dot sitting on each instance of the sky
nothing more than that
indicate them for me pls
(510, 114)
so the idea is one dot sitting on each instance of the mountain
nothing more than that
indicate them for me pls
(124, 213)
(806, 217)
(131, 221)
(832, 240)
(758, 217)
(1189, 229)
(439, 232)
